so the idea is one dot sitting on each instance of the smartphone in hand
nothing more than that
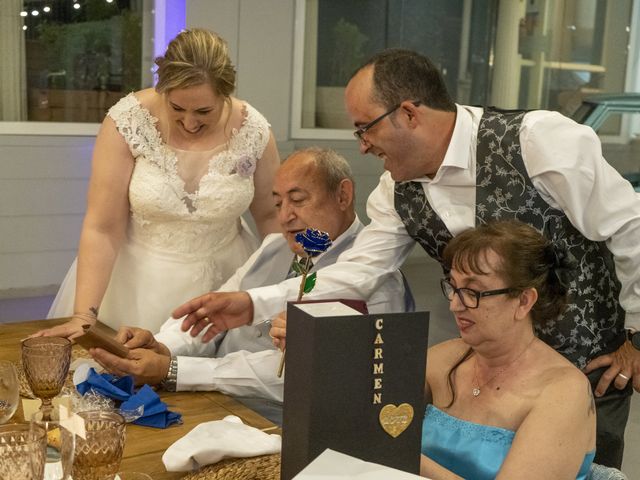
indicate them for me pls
(94, 338)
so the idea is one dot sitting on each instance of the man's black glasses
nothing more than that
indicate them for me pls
(469, 297)
(363, 129)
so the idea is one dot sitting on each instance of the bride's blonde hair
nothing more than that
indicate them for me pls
(194, 57)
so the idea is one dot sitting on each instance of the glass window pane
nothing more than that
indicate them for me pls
(533, 54)
(79, 58)
(351, 31)
(572, 49)
(623, 153)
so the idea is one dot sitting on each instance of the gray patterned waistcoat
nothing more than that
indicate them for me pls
(593, 323)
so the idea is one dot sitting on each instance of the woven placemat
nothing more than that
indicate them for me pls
(263, 467)
(78, 352)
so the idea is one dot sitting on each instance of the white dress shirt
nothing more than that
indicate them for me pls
(243, 367)
(564, 161)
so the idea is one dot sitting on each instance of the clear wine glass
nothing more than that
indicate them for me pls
(60, 447)
(9, 391)
(46, 363)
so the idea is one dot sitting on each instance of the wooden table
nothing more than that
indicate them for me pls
(145, 445)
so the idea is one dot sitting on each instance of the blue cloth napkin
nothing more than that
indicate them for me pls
(155, 414)
(117, 388)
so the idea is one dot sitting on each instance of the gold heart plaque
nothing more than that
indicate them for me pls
(395, 420)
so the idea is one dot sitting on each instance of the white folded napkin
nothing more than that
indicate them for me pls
(210, 442)
(332, 465)
(80, 368)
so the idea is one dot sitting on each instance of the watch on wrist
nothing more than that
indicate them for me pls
(171, 380)
(634, 338)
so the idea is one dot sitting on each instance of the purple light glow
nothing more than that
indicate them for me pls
(170, 19)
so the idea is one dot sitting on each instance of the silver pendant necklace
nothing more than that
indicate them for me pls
(476, 390)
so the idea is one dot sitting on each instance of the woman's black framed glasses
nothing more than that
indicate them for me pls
(469, 297)
(363, 129)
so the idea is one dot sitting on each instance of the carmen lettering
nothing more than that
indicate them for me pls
(378, 365)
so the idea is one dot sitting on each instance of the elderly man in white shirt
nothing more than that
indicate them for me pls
(313, 188)
(451, 167)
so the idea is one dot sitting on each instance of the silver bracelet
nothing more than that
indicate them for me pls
(170, 382)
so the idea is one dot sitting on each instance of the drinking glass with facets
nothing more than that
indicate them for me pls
(46, 363)
(100, 453)
(60, 446)
(9, 391)
(22, 452)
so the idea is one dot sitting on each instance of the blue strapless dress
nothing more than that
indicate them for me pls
(471, 450)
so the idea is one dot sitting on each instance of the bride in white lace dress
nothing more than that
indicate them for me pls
(174, 168)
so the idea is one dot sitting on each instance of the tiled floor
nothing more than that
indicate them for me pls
(423, 277)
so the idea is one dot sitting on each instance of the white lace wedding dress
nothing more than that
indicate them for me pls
(185, 235)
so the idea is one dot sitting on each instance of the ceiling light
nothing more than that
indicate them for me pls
(46, 9)
(76, 6)
(35, 13)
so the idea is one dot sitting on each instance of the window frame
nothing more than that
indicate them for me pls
(299, 46)
(27, 127)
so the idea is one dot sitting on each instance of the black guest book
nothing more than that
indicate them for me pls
(353, 383)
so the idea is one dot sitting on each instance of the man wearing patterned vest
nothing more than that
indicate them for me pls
(450, 167)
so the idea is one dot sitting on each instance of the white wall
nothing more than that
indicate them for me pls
(260, 37)
(43, 183)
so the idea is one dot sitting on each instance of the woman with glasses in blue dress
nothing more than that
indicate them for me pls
(501, 403)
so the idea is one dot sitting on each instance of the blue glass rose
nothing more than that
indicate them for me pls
(313, 241)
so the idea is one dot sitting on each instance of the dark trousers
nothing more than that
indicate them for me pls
(612, 410)
(269, 409)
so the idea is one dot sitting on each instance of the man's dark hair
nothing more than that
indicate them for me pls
(400, 75)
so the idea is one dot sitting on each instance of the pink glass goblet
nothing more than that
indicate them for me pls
(100, 453)
(46, 363)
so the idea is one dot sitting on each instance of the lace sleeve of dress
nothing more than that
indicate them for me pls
(136, 125)
(248, 143)
(256, 131)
